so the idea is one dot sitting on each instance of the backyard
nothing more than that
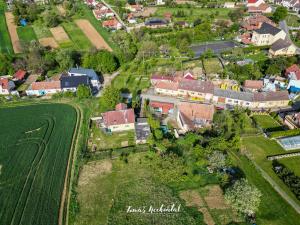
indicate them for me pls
(193, 13)
(292, 20)
(292, 163)
(258, 148)
(267, 123)
(212, 66)
(26, 34)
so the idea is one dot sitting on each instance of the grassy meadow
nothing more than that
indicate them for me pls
(5, 42)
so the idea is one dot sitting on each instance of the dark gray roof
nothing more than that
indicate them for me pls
(245, 96)
(156, 21)
(142, 129)
(82, 71)
(268, 29)
(73, 81)
(280, 44)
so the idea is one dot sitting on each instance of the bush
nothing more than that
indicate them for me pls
(284, 133)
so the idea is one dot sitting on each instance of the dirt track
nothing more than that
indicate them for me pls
(12, 29)
(92, 34)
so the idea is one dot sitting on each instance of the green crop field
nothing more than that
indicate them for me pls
(35, 143)
(5, 43)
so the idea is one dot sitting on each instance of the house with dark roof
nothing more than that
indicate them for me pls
(156, 23)
(282, 48)
(142, 130)
(71, 83)
(92, 75)
(267, 35)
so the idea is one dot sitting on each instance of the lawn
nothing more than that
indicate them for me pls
(26, 34)
(293, 21)
(261, 56)
(41, 30)
(35, 143)
(273, 210)
(193, 13)
(259, 148)
(114, 140)
(5, 42)
(80, 41)
(106, 189)
(267, 123)
(292, 163)
(212, 66)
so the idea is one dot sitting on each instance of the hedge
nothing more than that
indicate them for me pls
(284, 133)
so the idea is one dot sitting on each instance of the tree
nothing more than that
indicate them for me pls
(280, 14)
(110, 98)
(102, 61)
(217, 160)
(244, 197)
(5, 64)
(83, 91)
(65, 59)
(147, 49)
(236, 14)
(52, 18)
(158, 134)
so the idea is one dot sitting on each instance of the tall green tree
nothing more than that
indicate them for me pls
(280, 14)
(83, 91)
(110, 98)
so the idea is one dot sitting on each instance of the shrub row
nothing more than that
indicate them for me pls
(288, 177)
(284, 133)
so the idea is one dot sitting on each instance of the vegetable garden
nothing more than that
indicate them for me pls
(35, 143)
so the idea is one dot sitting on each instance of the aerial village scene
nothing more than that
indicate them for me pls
(150, 112)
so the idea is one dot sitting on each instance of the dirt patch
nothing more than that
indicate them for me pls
(124, 143)
(207, 217)
(61, 10)
(12, 29)
(92, 34)
(94, 169)
(59, 34)
(148, 12)
(48, 42)
(215, 198)
(192, 198)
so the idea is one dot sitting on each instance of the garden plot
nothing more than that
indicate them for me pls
(12, 29)
(59, 34)
(92, 34)
(48, 42)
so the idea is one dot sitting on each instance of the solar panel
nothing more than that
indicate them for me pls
(290, 143)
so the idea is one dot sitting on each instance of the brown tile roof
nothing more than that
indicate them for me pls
(45, 85)
(118, 117)
(196, 85)
(167, 85)
(192, 112)
(165, 106)
(271, 96)
(254, 84)
(293, 68)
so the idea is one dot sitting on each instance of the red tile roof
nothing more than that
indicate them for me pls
(167, 85)
(293, 69)
(252, 1)
(45, 85)
(20, 75)
(254, 84)
(118, 117)
(163, 105)
(121, 106)
(196, 85)
(4, 83)
(110, 23)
